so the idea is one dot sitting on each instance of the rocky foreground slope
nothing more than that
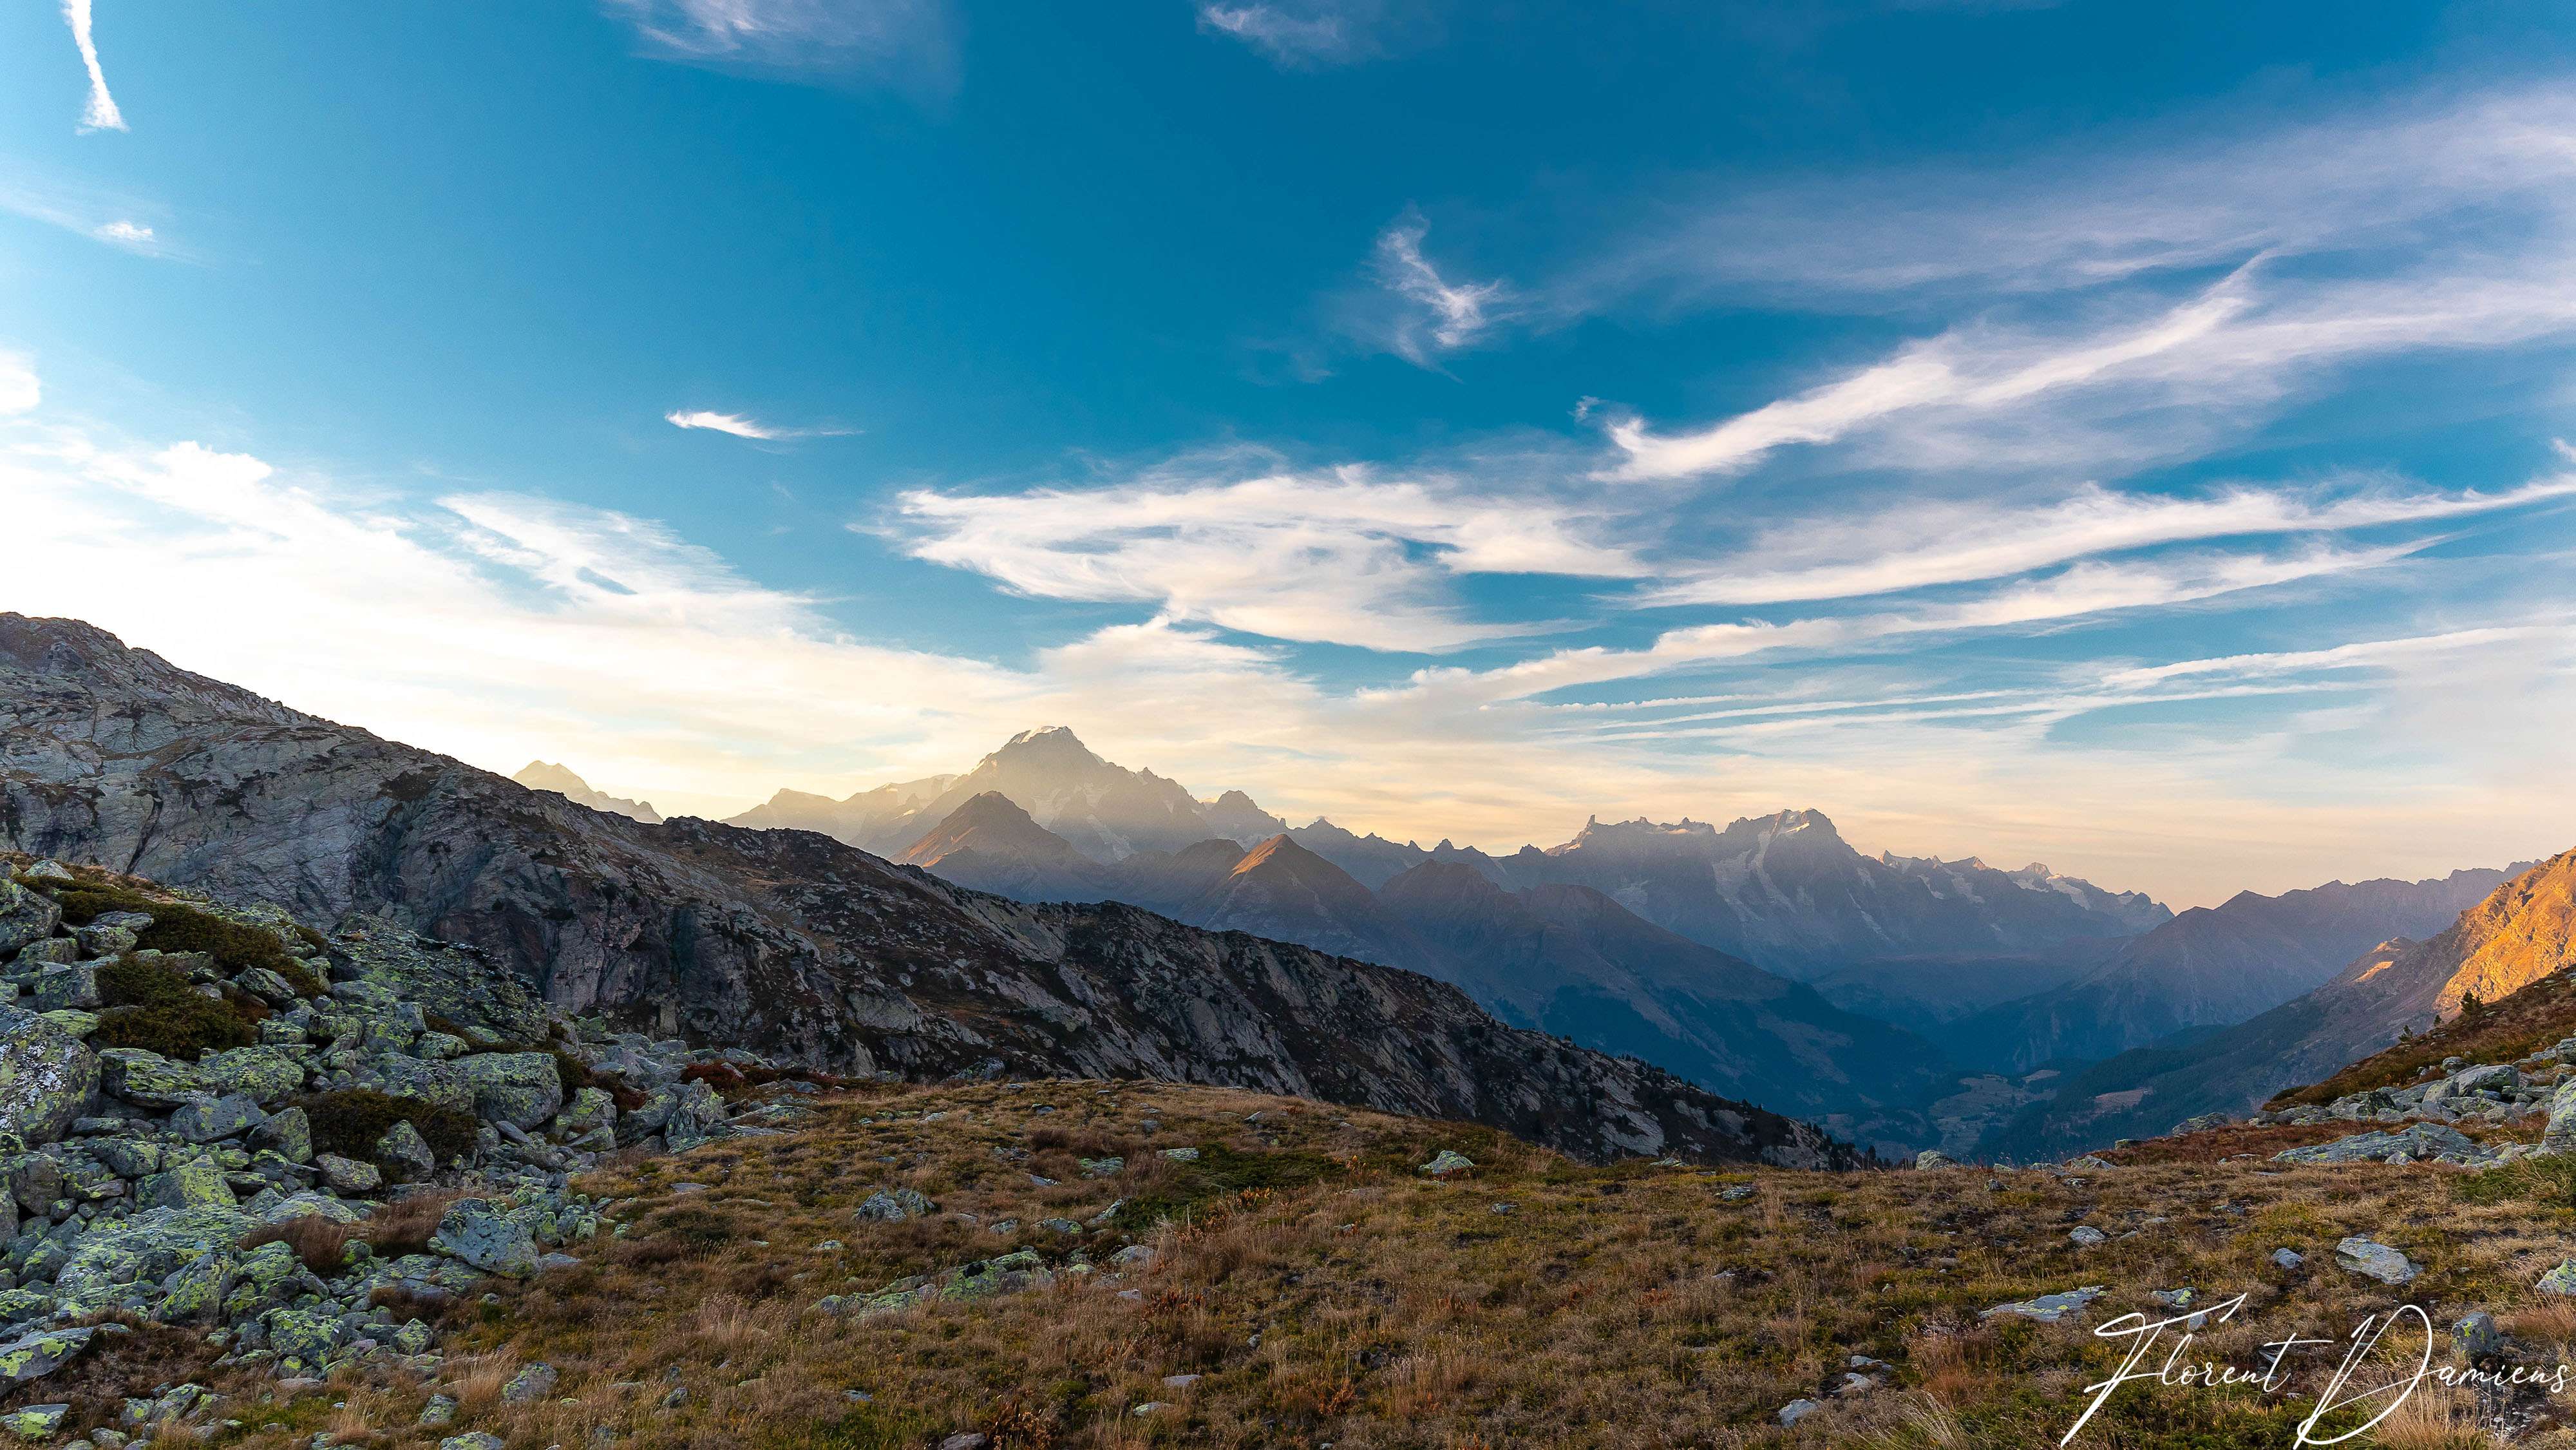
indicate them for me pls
(721, 935)
(295, 1147)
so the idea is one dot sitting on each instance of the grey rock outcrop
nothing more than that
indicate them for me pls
(45, 1079)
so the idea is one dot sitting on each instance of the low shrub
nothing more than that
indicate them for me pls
(349, 1121)
(179, 1029)
(319, 1243)
(180, 928)
(572, 1072)
(401, 1227)
(127, 982)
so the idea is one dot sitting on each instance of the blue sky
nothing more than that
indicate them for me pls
(2123, 436)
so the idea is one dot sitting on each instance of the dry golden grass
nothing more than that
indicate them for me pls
(1325, 1292)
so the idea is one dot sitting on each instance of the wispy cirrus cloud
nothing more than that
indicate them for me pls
(1303, 33)
(2229, 352)
(908, 43)
(1435, 314)
(1819, 559)
(100, 113)
(90, 211)
(1341, 556)
(2209, 190)
(742, 427)
(498, 625)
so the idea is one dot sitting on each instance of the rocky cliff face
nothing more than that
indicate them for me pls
(785, 939)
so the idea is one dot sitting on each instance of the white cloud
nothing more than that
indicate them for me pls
(1923, 546)
(732, 423)
(101, 113)
(1443, 315)
(78, 206)
(1343, 557)
(742, 427)
(2234, 347)
(19, 390)
(907, 43)
(498, 627)
(1300, 32)
(2360, 654)
(2106, 207)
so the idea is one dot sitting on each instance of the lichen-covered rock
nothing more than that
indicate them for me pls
(895, 1205)
(696, 1116)
(126, 1157)
(72, 985)
(195, 1292)
(288, 1134)
(1447, 1163)
(45, 1078)
(37, 1353)
(404, 1154)
(457, 983)
(198, 1183)
(2560, 1280)
(35, 1180)
(208, 1119)
(304, 1338)
(589, 1111)
(263, 1074)
(267, 986)
(2048, 1308)
(1009, 1274)
(2375, 1260)
(26, 917)
(487, 1238)
(348, 1175)
(39, 1422)
(43, 953)
(523, 1089)
(147, 1079)
(145, 1248)
(267, 1277)
(440, 1084)
(535, 1382)
(2420, 1142)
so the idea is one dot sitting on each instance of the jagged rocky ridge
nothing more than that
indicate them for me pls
(721, 935)
(300, 1077)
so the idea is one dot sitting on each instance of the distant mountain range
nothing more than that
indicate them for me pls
(1686, 943)
(2521, 931)
(2214, 966)
(540, 775)
(1783, 890)
(1564, 959)
(785, 939)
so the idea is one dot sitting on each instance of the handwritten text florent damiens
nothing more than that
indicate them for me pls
(2352, 1386)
